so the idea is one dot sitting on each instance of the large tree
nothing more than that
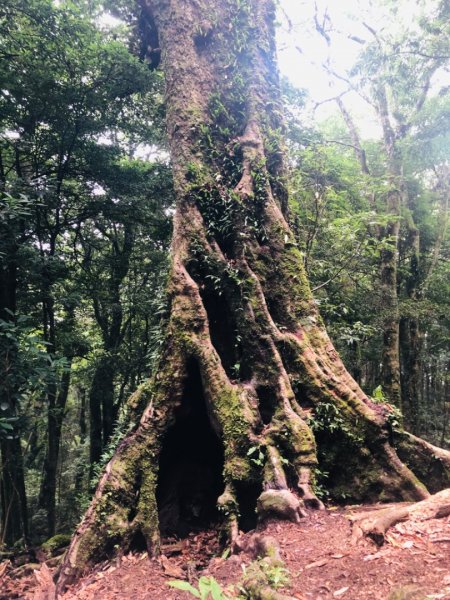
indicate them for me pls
(249, 385)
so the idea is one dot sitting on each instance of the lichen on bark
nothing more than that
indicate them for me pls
(242, 316)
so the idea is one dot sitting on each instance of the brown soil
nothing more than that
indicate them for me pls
(322, 562)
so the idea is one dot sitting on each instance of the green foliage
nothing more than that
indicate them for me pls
(394, 414)
(328, 419)
(84, 227)
(277, 575)
(257, 455)
(208, 588)
(27, 371)
(263, 573)
(320, 483)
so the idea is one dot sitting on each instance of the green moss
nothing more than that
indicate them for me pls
(296, 437)
(148, 507)
(58, 541)
(285, 284)
(237, 468)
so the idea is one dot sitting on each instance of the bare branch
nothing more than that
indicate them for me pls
(359, 150)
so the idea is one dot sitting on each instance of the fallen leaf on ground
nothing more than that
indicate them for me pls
(340, 592)
(317, 563)
(3, 568)
(170, 569)
(372, 556)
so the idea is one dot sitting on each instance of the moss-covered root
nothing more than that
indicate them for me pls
(264, 574)
(429, 463)
(55, 544)
(281, 504)
(114, 516)
(228, 506)
(274, 475)
(106, 522)
(304, 486)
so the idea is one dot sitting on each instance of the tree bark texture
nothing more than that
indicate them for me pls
(244, 334)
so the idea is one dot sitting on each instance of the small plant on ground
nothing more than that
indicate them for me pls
(262, 575)
(208, 588)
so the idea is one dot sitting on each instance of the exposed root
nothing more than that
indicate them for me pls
(308, 497)
(429, 463)
(280, 503)
(242, 312)
(274, 475)
(377, 523)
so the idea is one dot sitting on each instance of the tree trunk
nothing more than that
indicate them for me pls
(103, 410)
(55, 417)
(246, 351)
(410, 346)
(390, 359)
(56, 401)
(14, 525)
(391, 350)
(101, 405)
(13, 500)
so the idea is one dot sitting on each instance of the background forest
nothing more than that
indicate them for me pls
(85, 225)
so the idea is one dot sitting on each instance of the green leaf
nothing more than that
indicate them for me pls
(6, 426)
(225, 554)
(216, 589)
(184, 586)
(204, 586)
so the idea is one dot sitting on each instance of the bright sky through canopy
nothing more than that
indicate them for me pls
(302, 51)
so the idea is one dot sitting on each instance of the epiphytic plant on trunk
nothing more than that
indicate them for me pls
(246, 359)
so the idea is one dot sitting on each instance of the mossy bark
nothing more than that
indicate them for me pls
(240, 304)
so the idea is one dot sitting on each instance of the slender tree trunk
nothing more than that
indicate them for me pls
(55, 417)
(95, 421)
(409, 326)
(12, 492)
(246, 350)
(391, 380)
(101, 406)
(13, 500)
(80, 475)
(103, 409)
(56, 404)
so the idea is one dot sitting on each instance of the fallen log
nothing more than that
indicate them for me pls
(375, 524)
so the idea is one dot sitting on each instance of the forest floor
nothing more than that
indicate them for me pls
(322, 563)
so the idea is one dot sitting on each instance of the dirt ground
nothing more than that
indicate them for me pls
(321, 560)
